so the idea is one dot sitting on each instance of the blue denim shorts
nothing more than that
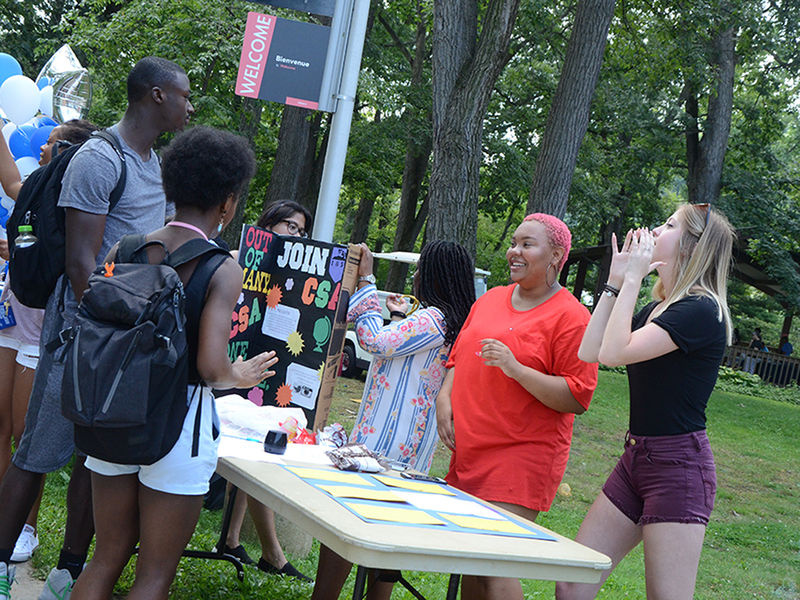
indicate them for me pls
(664, 479)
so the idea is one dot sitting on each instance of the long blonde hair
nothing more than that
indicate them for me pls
(704, 260)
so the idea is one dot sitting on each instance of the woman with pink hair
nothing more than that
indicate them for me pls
(514, 384)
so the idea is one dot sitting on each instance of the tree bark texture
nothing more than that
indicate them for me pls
(569, 113)
(293, 170)
(418, 151)
(705, 172)
(464, 74)
(249, 119)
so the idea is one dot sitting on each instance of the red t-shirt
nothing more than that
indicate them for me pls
(509, 446)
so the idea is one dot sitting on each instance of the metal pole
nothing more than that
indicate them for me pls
(328, 200)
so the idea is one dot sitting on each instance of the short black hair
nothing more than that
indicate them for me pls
(283, 209)
(150, 72)
(76, 131)
(203, 166)
(447, 282)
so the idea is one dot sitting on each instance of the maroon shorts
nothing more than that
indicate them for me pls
(664, 479)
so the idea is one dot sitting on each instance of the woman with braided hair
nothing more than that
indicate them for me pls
(397, 416)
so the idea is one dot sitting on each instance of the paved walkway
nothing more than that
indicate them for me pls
(26, 586)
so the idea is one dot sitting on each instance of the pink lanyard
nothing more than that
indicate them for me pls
(188, 226)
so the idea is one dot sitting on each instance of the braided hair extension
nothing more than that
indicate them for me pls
(446, 281)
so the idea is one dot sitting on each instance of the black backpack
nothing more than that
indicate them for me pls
(34, 270)
(126, 357)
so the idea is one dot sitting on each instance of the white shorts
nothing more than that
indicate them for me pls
(178, 472)
(27, 354)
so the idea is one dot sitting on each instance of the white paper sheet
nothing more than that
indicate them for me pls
(447, 504)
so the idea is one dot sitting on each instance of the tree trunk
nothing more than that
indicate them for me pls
(418, 151)
(464, 74)
(293, 170)
(569, 114)
(360, 228)
(249, 119)
(705, 174)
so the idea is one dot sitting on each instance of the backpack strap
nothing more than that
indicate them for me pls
(192, 249)
(116, 193)
(130, 249)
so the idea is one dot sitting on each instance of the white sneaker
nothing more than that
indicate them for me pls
(58, 585)
(6, 579)
(26, 545)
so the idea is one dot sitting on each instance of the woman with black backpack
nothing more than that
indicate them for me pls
(157, 506)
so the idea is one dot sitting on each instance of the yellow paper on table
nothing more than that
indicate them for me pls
(348, 491)
(329, 475)
(394, 514)
(417, 486)
(486, 524)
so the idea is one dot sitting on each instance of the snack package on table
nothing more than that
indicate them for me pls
(332, 436)
(356, 457)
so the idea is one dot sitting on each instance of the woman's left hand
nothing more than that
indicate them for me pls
(641, 255)
(397, 302)
(496, 354)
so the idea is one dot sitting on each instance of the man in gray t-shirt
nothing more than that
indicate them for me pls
(158, 101)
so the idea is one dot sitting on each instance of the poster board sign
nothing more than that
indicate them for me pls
(282, 60)
(294, 299)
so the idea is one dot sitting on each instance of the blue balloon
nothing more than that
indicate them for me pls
(3, 216)
(46, 122)
(19, 142)
(39, 139)
(8, 67)
(44, 82)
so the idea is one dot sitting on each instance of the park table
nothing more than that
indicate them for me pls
(393, 546)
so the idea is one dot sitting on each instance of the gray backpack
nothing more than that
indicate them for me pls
(127, 358)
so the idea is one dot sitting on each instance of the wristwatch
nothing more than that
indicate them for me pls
(368, 278)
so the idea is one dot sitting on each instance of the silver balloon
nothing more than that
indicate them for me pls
(72, 95)
(72, 85)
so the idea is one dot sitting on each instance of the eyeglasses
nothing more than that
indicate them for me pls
(707, 208)
(294, 229)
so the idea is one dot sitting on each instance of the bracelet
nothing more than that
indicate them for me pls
(398, 314)
(610, 290)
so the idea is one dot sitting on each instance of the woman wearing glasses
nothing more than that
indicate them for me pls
(661, 492)
(289, 218)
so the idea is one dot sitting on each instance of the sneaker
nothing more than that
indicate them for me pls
(6, 579)
(58, 585)
(26, 545)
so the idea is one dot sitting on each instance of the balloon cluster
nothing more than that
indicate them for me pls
(30, 109)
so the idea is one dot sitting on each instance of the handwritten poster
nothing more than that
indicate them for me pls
(294, 301)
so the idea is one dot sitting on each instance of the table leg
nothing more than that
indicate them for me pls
(452, 587)
(361, 580)
(219, 554)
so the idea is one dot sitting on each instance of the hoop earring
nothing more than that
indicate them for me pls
(555, 275)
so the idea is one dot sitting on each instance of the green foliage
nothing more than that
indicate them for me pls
(751, 544)
(741, 382)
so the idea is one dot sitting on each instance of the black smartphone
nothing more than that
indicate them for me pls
(422, 477)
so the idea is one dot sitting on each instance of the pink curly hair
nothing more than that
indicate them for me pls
(558, 233)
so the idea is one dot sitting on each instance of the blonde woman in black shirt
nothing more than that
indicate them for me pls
(661, 491)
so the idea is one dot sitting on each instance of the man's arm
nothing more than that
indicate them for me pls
(84, 236)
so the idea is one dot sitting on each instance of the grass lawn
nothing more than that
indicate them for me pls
(752, 546)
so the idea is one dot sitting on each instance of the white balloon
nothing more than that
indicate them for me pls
(8, 129)
(19, 98)
(46, 100)
(26, 165)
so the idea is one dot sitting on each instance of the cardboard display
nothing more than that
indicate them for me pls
(295, 294)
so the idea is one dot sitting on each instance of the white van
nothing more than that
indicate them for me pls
(354, 358)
